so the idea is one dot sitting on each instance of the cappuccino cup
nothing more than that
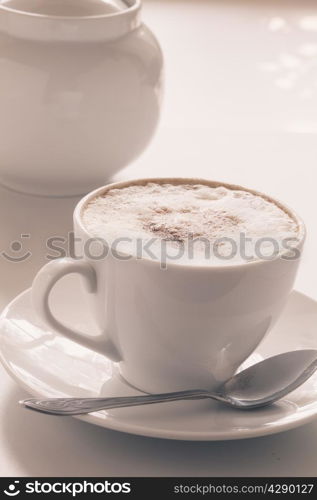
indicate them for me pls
(177, 320)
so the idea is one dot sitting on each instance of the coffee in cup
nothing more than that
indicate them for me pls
(190, 323)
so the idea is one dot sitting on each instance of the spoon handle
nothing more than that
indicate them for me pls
(80, 406)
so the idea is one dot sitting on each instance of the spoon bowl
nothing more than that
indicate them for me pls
(270, 380)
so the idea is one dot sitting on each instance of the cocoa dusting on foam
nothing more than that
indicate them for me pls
(176, 213)
(183, 230)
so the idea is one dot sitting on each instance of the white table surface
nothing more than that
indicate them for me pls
(240, 106)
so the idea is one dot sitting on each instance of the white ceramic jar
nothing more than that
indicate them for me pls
(80, 91)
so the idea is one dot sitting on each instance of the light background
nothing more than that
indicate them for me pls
(240, 106)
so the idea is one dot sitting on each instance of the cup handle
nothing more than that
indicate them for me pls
(42, 285)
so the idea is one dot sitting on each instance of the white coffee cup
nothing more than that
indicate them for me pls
(177, 328)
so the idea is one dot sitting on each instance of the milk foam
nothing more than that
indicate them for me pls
(195, 223)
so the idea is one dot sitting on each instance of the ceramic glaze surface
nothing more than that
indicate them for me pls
(80, 93)
(66, 7)
(185, 327)
(48, 365)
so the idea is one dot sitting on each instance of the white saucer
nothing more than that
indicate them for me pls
(47, 365)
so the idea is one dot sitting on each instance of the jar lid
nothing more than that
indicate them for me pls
(69, 20)
(66, 8)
